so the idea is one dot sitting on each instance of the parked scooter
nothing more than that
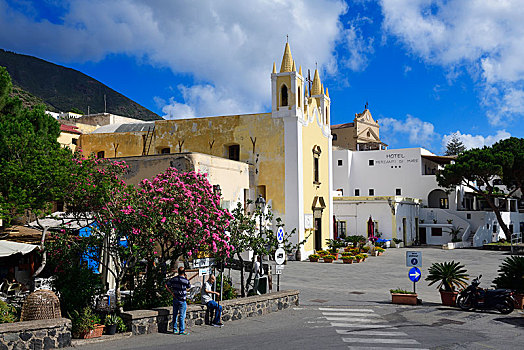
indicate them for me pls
(474, 297)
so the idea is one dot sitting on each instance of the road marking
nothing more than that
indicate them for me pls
(355, 310)
(349, 314)
(354, 325)
(380, 341)
(353, 319)
(381, 348)
(374, 333)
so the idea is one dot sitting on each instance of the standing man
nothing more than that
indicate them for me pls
(178, 287)
(211, 304)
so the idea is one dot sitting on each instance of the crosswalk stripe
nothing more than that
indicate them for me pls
(373, 333)
(334, 309)
(380, 341)
(381, 348)
(349, 314)
(353, 319)
(355, 325)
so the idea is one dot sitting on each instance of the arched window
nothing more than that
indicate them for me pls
(283, 96)
(299, 97)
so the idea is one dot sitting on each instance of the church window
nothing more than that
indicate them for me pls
(369, 134)
(233, 152)
(283, 96)
(371, 191)
(100, 154)
(398, 191)
(299, 97)
(357, 192)
(316, 165)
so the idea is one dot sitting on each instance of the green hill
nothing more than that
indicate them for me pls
(64, 89)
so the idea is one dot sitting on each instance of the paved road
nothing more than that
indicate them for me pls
(348, 307)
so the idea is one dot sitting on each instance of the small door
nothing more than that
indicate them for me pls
(422, 235)
(318, 233)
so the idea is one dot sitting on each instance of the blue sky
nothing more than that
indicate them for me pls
(427, 68)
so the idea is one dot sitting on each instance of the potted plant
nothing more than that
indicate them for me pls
(511, 276)
(86, 324)
(449, 276)
(401, 296)
(111, 323)
(364, 256)
(321, 253)
(379, 251)
(364, 249)
(314, 257)
(347, 258)
(359, 258)
(328, 258)
(397, 242)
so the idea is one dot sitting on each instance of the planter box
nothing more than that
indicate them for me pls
(93, 333)
(404, 299)
(347, 261)
(327, 260)
(358, 260)
(313, 259)
(448, 298)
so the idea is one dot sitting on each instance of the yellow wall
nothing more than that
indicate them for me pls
(312, 136)
(199, 133)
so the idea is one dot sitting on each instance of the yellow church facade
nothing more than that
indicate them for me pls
(288, 150)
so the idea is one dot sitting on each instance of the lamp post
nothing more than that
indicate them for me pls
(260, 203)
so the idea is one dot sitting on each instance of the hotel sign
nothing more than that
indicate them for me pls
(391, 159)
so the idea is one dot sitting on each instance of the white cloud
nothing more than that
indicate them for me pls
(476, 141)
(486, 38)
(227, 47)
(418, 132)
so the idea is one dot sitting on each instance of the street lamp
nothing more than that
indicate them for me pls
(260, 203)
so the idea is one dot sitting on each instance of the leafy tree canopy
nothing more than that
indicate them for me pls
(33, 166)
(454, 146)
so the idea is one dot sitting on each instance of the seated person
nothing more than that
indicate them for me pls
(207, 290)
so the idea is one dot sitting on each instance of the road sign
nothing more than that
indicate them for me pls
(204, 262)
(279, 269)
(280, 235)
(204, 271)
(414, 259)
(414, 274)
(280, 256)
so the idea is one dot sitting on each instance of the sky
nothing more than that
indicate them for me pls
(427, 68)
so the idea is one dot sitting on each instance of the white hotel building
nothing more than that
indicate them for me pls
(397, 189)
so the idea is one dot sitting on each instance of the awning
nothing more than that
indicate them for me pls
(8, 248)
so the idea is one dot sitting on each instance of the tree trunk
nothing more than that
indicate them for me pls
(44, 255)
(242, 286)
(496, 210)
(118, 297)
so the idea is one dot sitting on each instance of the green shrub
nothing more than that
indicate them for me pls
(511, 274)
(83, 321)
(400, 291)
(8, 313)
(228, 292)
(448, 275)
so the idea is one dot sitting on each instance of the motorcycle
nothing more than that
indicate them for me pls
(474, 297)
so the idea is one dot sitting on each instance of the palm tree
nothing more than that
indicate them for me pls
(449, 275)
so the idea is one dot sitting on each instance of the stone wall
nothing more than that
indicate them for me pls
(40, 334)
(161, 319)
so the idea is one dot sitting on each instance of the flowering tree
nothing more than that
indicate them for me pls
(182, 215)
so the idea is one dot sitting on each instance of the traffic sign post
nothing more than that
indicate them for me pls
(280, 258)
(414, 275)
(280, 235)
(413, 259)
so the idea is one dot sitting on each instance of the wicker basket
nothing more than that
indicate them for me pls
(42, 304)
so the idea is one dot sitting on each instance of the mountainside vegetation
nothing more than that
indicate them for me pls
(64, 89)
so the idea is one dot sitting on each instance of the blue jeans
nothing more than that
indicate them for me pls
(213, 305)
(179, 315)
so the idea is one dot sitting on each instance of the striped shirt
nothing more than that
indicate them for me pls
(179, 286)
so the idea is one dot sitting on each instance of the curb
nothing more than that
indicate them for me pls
(104, 338)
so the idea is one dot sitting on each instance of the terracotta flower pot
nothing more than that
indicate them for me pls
(448, 298)
(313, 259)
(347, 261)
(405, 299)
(328, 260)
(358, 260)
(93, 333)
